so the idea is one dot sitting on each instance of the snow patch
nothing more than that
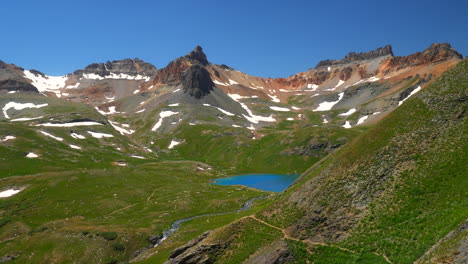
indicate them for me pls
(111, 111)
(72, 86)
(256, 87)
(326, 106)
(9, 192)
(290, 119)
(121, 130)
(6, 138)
(312, 86)
(251, 117)
(173, 144)
(224, 111)
(20, 106)
(163, 115)
(176, 90)
(362, 119)
(174, 105)
(52, 136)
(99, 135)
(47, 83)
(77, 136)
(26, 119)
(347, 125)
(74, 147)
(274, 98)
(340, 82)
(411, 94)
(32, 155)
(220, 83)
(221, 110)
(73, 124)
(138, 157)
(232, 82)
(350, 112)
(295, 108)
(280, 109)
(140, 111)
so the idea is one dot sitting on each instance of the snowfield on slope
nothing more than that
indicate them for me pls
(327, 106)
(251, 117)
(9, 192)
(73, 124)
(20, 106)
(162, 115)
(26, 119)
(411, 94)
(51, 136)
(221, 110)
(350, 112)
(173, 144)
(99, 135)
(47, 83)
(280, 109)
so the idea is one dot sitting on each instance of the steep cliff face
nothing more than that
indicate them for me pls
(196, 81)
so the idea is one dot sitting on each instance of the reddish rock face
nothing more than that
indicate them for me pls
(345, 73)
(172, 72)
(435, 53)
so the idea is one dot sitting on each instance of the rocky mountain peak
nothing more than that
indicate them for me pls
(353, 56)
(439, 51)
(197, 55)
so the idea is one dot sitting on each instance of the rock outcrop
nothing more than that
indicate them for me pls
(12, 79)
(16, 85)
(354, 57)
(434, 54)
(197, 82)
(197, 55)
(131, 67)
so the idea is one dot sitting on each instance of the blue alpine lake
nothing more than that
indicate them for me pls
(265, 182)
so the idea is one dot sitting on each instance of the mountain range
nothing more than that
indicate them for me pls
(124, 149)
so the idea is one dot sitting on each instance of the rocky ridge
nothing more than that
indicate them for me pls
(354, 57)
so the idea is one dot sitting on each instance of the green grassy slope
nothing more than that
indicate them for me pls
(60, 217)
(390, 194)
(395, 190)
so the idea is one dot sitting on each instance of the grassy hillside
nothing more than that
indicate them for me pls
(390, 194)
(98, 216)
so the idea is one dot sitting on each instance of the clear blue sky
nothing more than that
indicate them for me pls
(266, 38)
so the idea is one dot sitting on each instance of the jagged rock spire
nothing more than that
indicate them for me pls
(197, 55)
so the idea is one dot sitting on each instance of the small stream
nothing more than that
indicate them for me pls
(176, 225)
